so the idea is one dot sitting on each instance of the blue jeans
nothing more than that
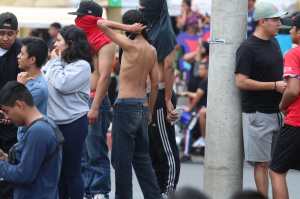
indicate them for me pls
(95, 163)
(131, 148)
(71, 183)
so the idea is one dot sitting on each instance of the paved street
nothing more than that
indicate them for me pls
(192, 175)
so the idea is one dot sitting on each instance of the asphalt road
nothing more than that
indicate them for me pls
(192, 175)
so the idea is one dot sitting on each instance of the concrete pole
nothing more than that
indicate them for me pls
(224, 150)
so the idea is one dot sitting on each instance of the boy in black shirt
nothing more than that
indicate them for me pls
(259, 70)
(198, 101)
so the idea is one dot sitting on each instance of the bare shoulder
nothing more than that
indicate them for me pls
(153, 49)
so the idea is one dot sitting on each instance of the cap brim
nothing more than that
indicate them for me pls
(279, 14)
(76, 13)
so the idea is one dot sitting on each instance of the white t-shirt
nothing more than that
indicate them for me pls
(2, 51)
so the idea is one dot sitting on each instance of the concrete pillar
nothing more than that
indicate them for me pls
(224, 149)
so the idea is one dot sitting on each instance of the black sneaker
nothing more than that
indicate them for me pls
(186, 158)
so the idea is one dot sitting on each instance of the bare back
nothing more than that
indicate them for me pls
(137, 62)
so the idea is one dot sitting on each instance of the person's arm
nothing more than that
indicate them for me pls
(189, 94)
(154, 86)
(62, 77)
(191, 56)
(118, 38)
(136, 27)
(291, 93)
(169, 77)
(32, 157)
(243, 82)
(105, 59)
(197, 97)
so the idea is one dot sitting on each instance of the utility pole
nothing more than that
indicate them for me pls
(223, 165)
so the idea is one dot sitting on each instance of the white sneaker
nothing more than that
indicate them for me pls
(164, 196)
(87, 197)
(200, 142)
(110, 127)
(100, 196)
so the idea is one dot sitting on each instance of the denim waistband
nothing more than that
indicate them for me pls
(131, 101)
(130, 104)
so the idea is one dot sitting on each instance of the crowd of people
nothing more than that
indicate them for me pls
(60, 94)
(59, 88)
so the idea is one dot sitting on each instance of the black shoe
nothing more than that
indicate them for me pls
(186, 158)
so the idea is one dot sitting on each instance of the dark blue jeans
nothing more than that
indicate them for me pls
(71, 183)
(130, 147)
(95, 163)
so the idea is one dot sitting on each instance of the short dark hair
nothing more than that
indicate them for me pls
(37, 48)
(134, 16)
(190, 193)
(13, 91)
(56, 25)
(248, 194)
(78, 46)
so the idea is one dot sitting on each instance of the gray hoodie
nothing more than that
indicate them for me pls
(69, 89)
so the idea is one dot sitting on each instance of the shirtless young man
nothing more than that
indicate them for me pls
(163, 148)
(96, 164)
(130, 119)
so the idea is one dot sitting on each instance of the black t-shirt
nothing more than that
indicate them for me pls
(194, 78)
(203, 86)
(160, 32)
(260, 60)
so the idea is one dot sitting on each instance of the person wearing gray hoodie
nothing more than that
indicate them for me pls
(68, 75)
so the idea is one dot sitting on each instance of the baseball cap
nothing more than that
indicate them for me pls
(88, 8)
(8, 21)
(266, 9)
(291, 21)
